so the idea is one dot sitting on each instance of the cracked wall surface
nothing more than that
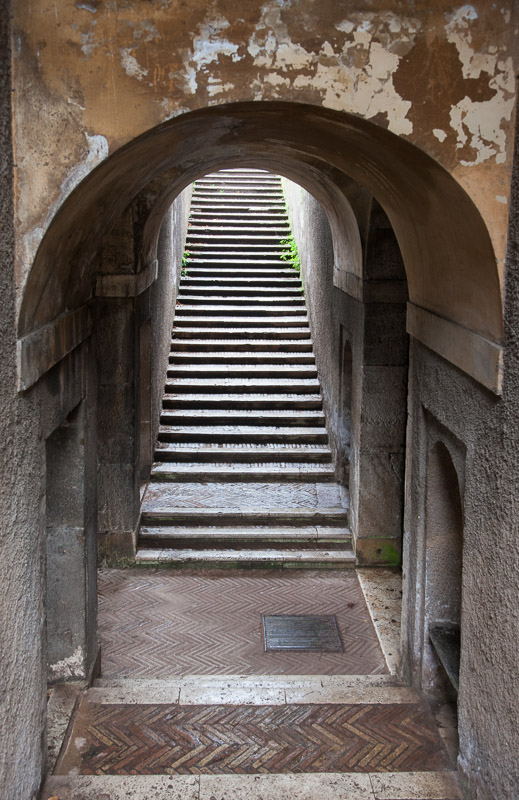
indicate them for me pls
(91, 76)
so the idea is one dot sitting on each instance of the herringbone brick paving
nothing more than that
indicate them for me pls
(223, 739)
(164, 623)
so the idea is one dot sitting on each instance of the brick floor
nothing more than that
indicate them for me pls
(241, 740)
(166, 622)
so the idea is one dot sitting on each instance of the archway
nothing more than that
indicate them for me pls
(450, 265)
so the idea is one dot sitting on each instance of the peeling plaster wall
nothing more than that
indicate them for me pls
(90, 76)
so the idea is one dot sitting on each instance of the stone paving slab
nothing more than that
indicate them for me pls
(417, 786)
(240, 495)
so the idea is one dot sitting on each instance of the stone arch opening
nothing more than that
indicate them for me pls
(445, 246)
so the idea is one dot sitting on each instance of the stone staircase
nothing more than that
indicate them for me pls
(243, 472)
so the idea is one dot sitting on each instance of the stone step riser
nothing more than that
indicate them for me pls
(246, 559)
(232, 545)
(240, 404)
(229, 292)
(249, 437)
(242, 333)
(252, 476)
(229, 417)
(188, 386)
(245, 359)
(246, 284)
(258, 300)
(238, 324)
(246, 456)
(240, 371)
(245, 516)
(197, 345)
(258, 310)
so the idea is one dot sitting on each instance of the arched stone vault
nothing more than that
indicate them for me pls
(455, 300)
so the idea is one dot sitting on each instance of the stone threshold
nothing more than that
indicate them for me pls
(307, 786)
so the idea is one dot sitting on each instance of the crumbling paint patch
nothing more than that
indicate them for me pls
(479, 124)
(352, 72)
(440, 134)
(130, 64)
(69, 668)
(209, 45)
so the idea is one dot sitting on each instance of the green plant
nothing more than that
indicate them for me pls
(291, 253)
(185, 256)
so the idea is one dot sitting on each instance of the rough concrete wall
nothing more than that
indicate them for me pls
(372, 60)
(376, 416)
(487, 427)
(21, 562)
(328, 307)
(163, 296)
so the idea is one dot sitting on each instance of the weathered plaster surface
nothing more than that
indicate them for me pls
(90, 76)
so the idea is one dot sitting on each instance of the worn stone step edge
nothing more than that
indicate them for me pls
(241, 333)
(247, 472)
(235, 357)
(247, 514)
(194, 454)
(276, 301)
(251, 370)
(242, 386)
(228, 345)
(287, 558)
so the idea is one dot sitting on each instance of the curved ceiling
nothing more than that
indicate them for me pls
(449, 260)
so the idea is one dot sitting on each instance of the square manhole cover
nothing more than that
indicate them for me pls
(313, 634)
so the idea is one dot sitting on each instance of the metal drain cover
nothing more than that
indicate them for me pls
(313, 634)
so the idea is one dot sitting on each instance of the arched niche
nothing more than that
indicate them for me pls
(451, 269)
(443, 569)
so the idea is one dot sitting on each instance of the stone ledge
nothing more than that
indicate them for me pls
(479, 357)
(127, 285)
(42, 349)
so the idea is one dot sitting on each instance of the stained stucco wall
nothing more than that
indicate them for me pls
(91, 76)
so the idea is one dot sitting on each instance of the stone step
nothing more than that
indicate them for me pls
(246, 293)
(256, 310)
(243, 333)
(273, 225)
(247, 253)
(230, 271)
(259, 219)
(223, 345)
(246, 516)
(283, 300)
(244, 385)
(245, 266)
(234, 194)
(230, 357)
(241, 370)
(199, 452)
(310, 533)
(185, 320)
(237, 182)
(242, 234)
(289, 558)
(231, 201)
(242, 433)
(243, 283)
(289, 402)
(253, 537)
(242, 417)
(267, 471)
